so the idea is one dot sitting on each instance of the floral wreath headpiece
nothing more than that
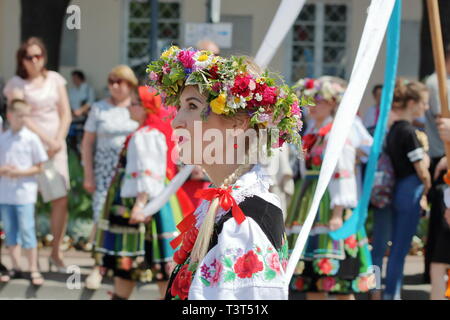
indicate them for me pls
(230, 86)
(326, 88)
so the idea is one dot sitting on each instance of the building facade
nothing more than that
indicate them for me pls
(323, 40)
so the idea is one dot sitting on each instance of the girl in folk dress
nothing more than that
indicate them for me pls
(328, 266)
(233, 246)
(128, 242)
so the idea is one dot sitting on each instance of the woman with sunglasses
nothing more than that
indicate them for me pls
(107, 126)
(45, 91)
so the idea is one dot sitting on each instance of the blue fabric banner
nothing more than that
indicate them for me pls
(358, 219)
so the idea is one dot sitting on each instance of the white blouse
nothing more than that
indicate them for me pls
(146, 164)
(243, 264)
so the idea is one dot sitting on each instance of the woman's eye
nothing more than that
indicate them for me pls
(192, 106)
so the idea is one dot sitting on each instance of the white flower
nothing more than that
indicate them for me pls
(202, 59)
(258, 97)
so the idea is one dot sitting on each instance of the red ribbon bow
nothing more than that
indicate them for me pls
(226, 201)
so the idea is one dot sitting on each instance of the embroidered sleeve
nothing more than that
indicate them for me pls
(146, 164)
(242, 265)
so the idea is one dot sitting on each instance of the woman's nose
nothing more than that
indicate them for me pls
(178, 122)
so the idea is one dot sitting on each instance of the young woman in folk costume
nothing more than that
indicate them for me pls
(327, 266)
(233, 246)
(127, 241)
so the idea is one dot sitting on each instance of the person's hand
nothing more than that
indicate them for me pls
(4, 171)
(89, 184)
(424, 202)
(148, 219)
(197, 173)
(336, 220)
(136, 215)
(53, 147)
(447, 215)
(14, 173)
(441, 166)
(78, 112)
(443, 126)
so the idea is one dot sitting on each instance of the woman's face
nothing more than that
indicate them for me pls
(192, 131)
(137, 112)
(420, 107)
(34, 60)
(119, 89)
(321, 110)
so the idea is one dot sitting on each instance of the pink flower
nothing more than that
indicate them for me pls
(328, 283)
(216, 277)
(274, 262)
(269, 95)
(185, 57)
(284, 264)
(295, 109)
(166, 69)
(154, 76)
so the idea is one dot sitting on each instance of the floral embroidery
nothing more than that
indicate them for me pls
(326, 266)
(364, 283)
(144, 173)
(351, 246)
(182, 283)
(300, 283)
(247, 265)
(237, 264)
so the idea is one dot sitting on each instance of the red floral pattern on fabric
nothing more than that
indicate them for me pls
(247, 265)
(181, 283)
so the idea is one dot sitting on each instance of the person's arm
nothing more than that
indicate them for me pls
(20, 173)
(64, 114)
(87, 155)
(423, 174)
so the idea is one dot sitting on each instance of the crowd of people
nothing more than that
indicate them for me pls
(238, 247)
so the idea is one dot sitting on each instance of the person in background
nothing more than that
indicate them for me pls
(440, 260)
(21, 157)
(81, 97)
(436, 153)
(45, 91)
(371, 117)
(208, 45)
(410, 163)
(106, 128)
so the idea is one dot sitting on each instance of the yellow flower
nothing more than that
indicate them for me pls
(203, 57)
(218, 104)
(169, 52)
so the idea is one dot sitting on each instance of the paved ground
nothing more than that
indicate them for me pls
(56, 284)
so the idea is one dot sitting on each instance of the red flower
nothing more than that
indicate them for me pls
(186, 59)
(269, 95)
(181, 283)
(328, 283)
(247, 265)
(240, 86)
(325, 266)
(309, 84)
(213, 72)
(148, 172)
(189, 239)
(134, 174)
(299, 283)
(216, 87)
(180, 256)
(316, 160)
(125, 263)
(351, 242)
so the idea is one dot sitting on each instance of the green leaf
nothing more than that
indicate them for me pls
(227, 262)
(270, 274)
(205, 282)
(229, 276)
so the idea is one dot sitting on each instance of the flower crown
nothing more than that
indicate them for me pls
(327, 88)
(230, 87)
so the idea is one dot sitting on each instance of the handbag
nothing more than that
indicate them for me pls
(51, 184)
(383, 187)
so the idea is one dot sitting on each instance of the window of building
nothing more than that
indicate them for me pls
(319, 40)
(138, 31)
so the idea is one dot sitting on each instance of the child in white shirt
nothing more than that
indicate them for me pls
(21, 157)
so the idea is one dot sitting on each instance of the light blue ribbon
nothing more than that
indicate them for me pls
(359, 216)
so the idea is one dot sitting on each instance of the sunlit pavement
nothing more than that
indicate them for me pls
(60, 286)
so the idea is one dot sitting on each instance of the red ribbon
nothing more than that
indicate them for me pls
(226, 201)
